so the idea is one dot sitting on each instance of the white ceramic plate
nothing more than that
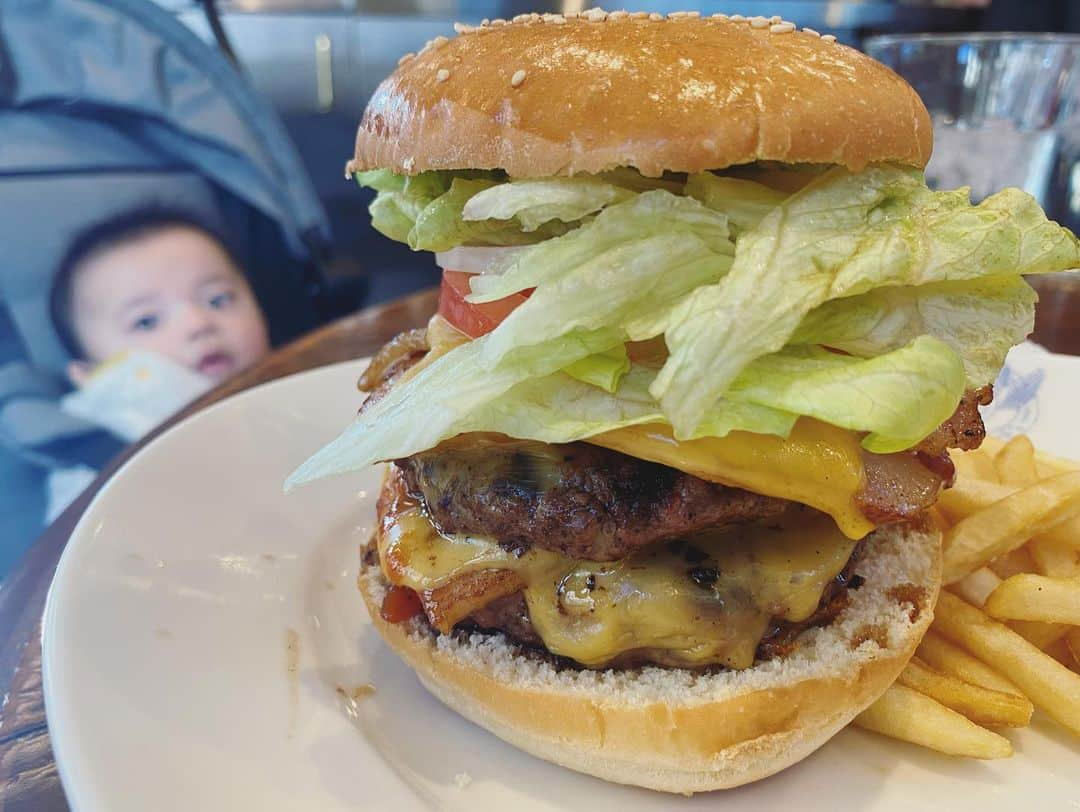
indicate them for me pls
(203, 635)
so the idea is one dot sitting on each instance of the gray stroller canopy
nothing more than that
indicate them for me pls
(106, 105)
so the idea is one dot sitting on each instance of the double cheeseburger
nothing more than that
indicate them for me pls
(659, 469)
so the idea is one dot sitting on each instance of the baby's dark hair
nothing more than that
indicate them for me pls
(129, 226)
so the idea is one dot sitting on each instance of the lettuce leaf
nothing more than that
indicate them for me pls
(899, 397)
(630, 178)
(431, 406)
(559, 409)
(536, 202)
(842, 235)
(425, 211)
(605, 369)
(618, 286)
(980, 319)
(745, 202)
(554, 408)
(648, 214)
(919, 290)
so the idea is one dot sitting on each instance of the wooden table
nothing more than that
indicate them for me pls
(28, 778)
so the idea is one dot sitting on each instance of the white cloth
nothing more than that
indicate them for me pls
(134, 393)
(128, 396)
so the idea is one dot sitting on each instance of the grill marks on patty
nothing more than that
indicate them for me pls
(576, 499)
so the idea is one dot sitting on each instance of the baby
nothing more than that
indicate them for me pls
(154, 310)
(159, 282)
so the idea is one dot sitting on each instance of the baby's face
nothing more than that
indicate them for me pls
(175, 293)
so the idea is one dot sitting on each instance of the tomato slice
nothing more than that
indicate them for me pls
(399, 604)
(473, 319)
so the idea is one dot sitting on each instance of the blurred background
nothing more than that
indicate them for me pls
(245, 111)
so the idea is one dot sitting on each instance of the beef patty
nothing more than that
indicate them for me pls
(576, 499)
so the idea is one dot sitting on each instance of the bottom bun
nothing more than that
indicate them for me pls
(678, 730)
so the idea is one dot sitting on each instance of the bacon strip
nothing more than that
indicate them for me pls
(964, 429)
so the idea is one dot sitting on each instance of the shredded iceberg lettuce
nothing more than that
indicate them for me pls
(604, 370)
(425, 211)
(864, 300)
(535, 202)
(842, 235)
(980, 319)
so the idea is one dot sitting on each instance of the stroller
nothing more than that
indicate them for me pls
(106, 105)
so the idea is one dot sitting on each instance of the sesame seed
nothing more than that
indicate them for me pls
(572, 15)
(462, 28)
(442, 75)
(782, 28)
(656, 16)
(674, 15)
(828, 38)
(776, 18)
(408, 164)
(737, 18)
(517, 78)
(520, 18)
(405, 58)
(640, 15)
(484, 23)
(534, 17)
(811, 32)
(693, 15)
(618, 15)
(759, 22)
(719, 16)
(595, 15)
(497, 22)
(555, 19)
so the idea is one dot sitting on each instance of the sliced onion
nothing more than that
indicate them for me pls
(474, 259)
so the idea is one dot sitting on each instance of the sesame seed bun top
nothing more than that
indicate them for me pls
(550, 95)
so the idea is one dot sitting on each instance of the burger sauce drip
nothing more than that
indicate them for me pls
(400, 604)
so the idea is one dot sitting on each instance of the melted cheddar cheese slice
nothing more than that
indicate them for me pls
(705, 600)
(817, 464)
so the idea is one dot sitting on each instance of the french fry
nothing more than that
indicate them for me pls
(975, 464)
(1060, 651)
(976, 587)
(1072, 640)
(981, 705)
(1012, 563)
(981, 537)
(949, 658)
(1047, 464)
(1015, 462)
(1036, 597)
(1052, 687)
(904, 713)
(940, 520)
(971, 495)
(1039, 634)
(1067, 533)
(1053, 558)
